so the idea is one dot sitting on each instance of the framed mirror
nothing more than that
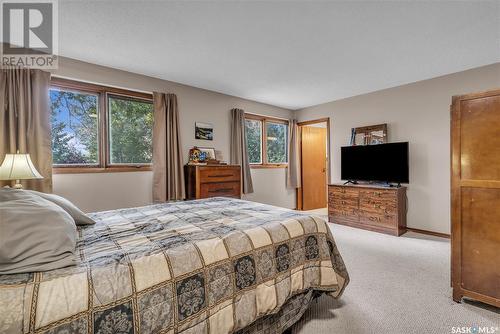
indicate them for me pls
(369, 135)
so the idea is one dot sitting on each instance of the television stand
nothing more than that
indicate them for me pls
(371, 207)
(350, 181)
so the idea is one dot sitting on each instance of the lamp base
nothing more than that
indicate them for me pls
(18, 185)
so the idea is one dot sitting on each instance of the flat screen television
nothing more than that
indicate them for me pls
(378, 163)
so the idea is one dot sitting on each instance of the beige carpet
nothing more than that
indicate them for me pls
(398, 285)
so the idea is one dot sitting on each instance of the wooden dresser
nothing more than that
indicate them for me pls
(369, 207)
(475, 197)
(212, 180)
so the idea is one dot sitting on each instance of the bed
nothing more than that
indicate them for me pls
(216, 265)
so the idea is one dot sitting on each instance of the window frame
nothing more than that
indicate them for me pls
(103, 92)
(263, 141)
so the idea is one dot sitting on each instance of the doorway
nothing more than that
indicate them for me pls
(314, 162)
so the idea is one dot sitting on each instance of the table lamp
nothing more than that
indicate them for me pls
(18, 167)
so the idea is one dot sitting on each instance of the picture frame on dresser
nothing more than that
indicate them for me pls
(209, 151)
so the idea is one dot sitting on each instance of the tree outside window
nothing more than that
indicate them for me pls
(267, 141)
(97, 127)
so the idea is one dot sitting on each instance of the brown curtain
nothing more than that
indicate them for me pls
(239, 154)
(293, 170)
(168, 173)
(25, 121)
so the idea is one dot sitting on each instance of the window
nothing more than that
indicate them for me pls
(276, 147)
(97, 128)
(267, 141)
(253, 132)
(130, 131)
(74, 128)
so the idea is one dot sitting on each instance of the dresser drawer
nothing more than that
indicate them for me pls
(380, 194)
(336, 196)
(349, 213)
(343, 194)
(344, 204)
(377, 218)
(225, 189)
(219, 174)
(386, 206)
(343, 191)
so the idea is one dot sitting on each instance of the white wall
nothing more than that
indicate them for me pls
(105, 191)
(271, 188)
(418, 113)
(94, 192)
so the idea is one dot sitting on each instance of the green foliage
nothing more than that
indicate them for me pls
(253, 133)
(276, 143)
(74, 118)
(131, 131)
(74, 127)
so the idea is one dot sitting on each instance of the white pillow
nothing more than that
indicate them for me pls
(77, 214)
(35, 234)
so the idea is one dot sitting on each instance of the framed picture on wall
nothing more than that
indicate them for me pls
(204, 131)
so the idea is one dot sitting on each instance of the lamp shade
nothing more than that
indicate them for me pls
(18, 167)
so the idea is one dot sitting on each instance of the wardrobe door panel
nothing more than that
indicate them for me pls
(480, 138)
(481, 240)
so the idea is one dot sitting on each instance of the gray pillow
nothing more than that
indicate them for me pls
(35, 234)
(77, 214)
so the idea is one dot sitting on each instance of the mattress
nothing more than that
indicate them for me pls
(216, 265)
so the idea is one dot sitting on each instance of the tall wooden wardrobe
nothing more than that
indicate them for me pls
(475, 197)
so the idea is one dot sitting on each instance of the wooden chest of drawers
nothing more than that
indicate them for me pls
(212, 181)
(373, 208)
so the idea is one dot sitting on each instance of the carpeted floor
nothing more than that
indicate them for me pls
(398, 285)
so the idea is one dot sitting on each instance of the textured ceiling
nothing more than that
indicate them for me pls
(289, 54)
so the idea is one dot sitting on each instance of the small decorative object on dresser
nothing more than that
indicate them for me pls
(370, 207)
(212, 181)
(209, 152)
(195, 157)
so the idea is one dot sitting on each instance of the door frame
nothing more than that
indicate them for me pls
(299, 198)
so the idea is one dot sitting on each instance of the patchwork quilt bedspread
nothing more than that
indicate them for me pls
(207, 266)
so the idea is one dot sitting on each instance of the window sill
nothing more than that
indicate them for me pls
(269, 166)
(85, 170)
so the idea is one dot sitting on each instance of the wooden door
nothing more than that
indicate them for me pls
(313, 168)
(476, 197)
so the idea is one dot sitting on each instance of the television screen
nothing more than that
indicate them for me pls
(382, 162)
